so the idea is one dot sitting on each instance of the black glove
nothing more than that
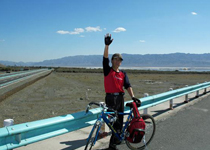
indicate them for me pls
(137, 101)
(108, 39)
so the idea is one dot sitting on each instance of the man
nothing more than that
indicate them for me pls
(114, 81)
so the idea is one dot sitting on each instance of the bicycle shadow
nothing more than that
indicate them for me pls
(77, 144)
(74, 144)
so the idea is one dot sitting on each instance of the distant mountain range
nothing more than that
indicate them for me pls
(130, 60)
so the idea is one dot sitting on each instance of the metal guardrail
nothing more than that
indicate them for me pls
(26, 133)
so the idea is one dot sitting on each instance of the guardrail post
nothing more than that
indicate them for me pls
(8, 122)
(204, 92)
(104, 131)
(197, 93)
(171, 101)
(186, 97)
(146, 109)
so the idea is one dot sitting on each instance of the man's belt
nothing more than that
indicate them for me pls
(115, 94)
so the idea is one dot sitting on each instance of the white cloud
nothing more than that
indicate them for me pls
(82, 36)
(193, 13)
(77, 31)
(80, 30)
(73, 32)
(119, 29)
(142, 41)
(62, 32)
(93, 29)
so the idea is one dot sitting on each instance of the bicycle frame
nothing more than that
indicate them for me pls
(103, 116)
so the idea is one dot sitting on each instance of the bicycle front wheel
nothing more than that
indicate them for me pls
(150, 128)
(92, 137)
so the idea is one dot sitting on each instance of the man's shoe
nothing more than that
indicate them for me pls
(113, 147)
(117, 141)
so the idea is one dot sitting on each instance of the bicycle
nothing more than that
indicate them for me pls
(109, 117)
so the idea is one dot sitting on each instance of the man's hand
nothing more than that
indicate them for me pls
(108, 39)
(137, 101)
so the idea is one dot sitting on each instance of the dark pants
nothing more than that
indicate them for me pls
(116, 102)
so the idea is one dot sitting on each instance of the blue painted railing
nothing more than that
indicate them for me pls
(26, 133)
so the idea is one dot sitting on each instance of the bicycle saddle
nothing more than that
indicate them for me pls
(129, 105)
(138, 104)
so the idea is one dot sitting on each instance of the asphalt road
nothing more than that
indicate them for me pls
(8, 77)
(188, 129)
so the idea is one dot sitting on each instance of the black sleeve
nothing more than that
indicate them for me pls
(126, 81)
(106, 67)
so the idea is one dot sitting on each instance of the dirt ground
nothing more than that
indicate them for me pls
(66, 93)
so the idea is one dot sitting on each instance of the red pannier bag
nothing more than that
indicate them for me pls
(136, 127)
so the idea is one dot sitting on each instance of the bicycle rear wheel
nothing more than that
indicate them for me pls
(149, 133)
(92, 137)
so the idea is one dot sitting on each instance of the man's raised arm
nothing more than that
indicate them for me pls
(107, 41)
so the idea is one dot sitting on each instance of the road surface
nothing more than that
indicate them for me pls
(188, 129)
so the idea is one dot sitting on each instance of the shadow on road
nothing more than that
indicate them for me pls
(74, 144)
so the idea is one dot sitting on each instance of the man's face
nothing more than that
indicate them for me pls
(116, 62)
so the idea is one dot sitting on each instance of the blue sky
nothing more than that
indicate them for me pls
(37, 30)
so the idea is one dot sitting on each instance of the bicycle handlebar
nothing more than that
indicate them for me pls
(103, 105)
(100, 104)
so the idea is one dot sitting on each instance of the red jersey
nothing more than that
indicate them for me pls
(114, 81)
